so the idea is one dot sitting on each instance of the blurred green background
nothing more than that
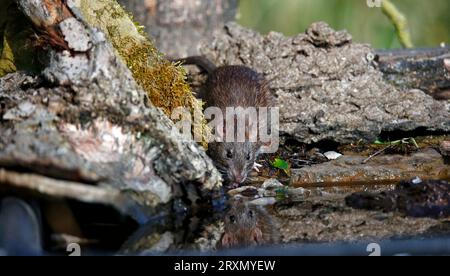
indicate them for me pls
(429, 20)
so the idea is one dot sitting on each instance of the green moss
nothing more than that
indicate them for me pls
(17, 42)
(164, 82)
(6, 58)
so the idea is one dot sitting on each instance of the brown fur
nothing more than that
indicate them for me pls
(248, 225)
(233, 86)
(236, 86)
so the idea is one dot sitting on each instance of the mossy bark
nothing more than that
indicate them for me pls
(86, 89)
(164, 81)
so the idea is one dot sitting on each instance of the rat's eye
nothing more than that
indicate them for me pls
(229, 154)
(232, 219)
(250, 214)
(248, 156)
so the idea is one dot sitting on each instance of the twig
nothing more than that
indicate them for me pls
(61, 188)
(376, 154)
(399, 21)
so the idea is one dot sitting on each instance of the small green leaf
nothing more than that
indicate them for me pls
(388, 143)
(280, 164)
(379, 142)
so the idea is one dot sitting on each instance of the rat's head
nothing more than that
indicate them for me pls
(241, 225)
(234, 160)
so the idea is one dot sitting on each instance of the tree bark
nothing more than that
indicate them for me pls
(179, 26)
(329, 88)
(422, 69)
(86, 121)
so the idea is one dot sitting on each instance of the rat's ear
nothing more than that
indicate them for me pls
(228, 240)
(257, 236)
(265, 144)
(269, 147)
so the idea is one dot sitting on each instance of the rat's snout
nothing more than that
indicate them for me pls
(239, 176)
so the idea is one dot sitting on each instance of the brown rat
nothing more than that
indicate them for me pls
(233, 86)
(248, 225)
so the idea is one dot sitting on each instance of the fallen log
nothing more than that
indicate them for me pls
(85, 120)
(192, 22)
(329, 88)
(422, 69)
